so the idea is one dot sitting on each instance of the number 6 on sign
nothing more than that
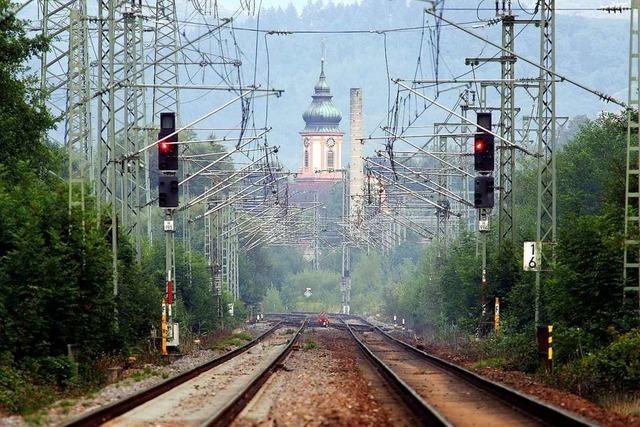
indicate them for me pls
(531, 259)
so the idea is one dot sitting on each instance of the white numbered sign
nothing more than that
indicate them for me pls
(531, 260)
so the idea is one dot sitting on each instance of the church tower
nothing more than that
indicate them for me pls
(321, 138)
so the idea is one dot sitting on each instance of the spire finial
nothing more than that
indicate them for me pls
(322, 59)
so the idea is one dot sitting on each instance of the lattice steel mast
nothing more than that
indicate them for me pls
(134, 121)
(78, 118)
(631, 268)
(506, 203)
(546, 211)
(165, 99)
(54, 62)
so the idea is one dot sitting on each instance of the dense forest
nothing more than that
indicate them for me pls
(58, 314)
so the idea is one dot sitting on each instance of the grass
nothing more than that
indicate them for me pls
(495, 362)
(138, 376)
(36, 418)
(234, 340)
(246, 336)
(21, 394)
(310, 344)
(624, 404)
(65, 405)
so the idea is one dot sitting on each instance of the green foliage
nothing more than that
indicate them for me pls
(325, 289)
(58, 370)
(47, 275)
(264, 268)
(591, 168)
(496, 362)
(510, 351)
(232, 341)
(18, 394)
(586, 289)
(310, 344)
(615, 367)
(23, 118)
(55, 264)
(582, 297)
(368, 279)
(272, 302)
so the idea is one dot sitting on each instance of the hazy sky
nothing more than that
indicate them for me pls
(233, 4)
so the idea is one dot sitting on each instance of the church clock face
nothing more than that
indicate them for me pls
(331, 143)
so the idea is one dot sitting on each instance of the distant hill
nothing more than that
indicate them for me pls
(590, 50)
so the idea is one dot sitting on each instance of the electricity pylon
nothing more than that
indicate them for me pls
(546, 210)
(56, 16)
(165, 68)
(506, 204)
(78, 118)
(132, 172)
(631, 269)
(65, 80)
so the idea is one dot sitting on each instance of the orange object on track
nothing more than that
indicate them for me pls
(323, 319)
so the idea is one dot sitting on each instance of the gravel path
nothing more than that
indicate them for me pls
(326, 383)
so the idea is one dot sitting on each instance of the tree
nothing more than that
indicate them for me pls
(272, 302)
(23, 118)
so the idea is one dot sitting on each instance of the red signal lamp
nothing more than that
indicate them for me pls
(164, 147)
(479, 145)
(170, 292)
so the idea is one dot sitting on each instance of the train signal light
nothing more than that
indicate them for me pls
(167, 147)
(483, 145)
(170, 292)
(168, 191)
(483, 192)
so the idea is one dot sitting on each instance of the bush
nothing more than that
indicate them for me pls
(571, 343)
(19, 395)
(513, 351)
(34, 382)
(54, 370)
(615, 368)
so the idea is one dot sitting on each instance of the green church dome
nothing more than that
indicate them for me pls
(322, 115)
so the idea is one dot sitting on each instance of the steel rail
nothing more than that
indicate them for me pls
(106, 413)
(546, 413)
(242, 399)
(425, 413)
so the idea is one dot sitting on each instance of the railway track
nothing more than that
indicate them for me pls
(210, 394)
(432, 392)
(341, 377)
(453, 395)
